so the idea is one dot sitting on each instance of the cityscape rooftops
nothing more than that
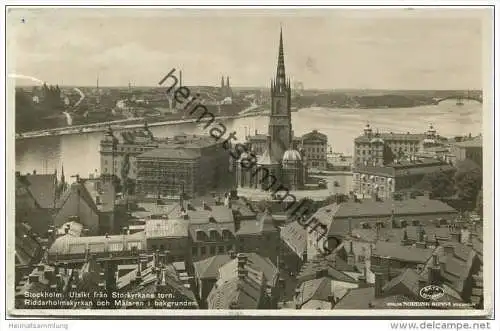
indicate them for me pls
(209, 267)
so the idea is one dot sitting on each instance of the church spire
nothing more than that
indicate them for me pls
(280, 71)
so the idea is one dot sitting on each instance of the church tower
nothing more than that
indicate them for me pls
(280, 120)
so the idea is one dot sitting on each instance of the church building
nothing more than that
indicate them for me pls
(280, 158)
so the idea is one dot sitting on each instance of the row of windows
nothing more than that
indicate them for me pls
(212, 250)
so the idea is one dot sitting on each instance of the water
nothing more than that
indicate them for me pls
(80, 153)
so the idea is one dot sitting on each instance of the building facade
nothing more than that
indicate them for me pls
(315, 145)
(377, 149)
(385, 180)
(471, 149)
(193, 164)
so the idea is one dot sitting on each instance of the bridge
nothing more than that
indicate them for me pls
(475, 96)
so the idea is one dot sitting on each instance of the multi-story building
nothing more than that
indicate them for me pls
(471, 149)
(115, 152)
(382, 148)
(195, 164)
(384, 180)
(314, 145)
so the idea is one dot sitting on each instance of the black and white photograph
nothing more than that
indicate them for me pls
(272, 161)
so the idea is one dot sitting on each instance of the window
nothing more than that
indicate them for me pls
(221, 249)
(212, 250)
(194, 251)
(203, 250)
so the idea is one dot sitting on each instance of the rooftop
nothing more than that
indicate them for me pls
(159, 228)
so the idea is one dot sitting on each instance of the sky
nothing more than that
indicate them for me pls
(324, 48)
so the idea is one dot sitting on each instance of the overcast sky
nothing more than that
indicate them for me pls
(325, 48)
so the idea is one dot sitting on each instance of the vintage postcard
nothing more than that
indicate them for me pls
(250, 161)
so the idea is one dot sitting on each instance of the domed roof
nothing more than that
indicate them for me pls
(292, 155)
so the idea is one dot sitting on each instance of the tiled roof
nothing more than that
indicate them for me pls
(254, 262)
(81, 191)
(408, 207)
(209, 268)
(28, 249)
(457, 266)
(315, 289)
(150, 283)
(402, 253)
(332, 267)
(295, 236)
(238, 293)
(263, 223)
(43, 189)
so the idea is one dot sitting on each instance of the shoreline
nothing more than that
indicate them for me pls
(121, 125)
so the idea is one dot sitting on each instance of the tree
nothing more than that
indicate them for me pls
(439, 184)
(468, 181)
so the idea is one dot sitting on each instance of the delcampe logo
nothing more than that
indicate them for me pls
(431, 292)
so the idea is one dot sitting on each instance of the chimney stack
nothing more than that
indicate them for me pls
(379, 284)
(456, 235)
(434, 272)
(351, 258)
(242, 273)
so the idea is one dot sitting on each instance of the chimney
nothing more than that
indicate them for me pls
(434, 271)
(422, 283)
(362, 283)
(405, 241)
(48, 275)
(456, 236)
(242, 259)
(242, 273)
(167, 257)
(304, 256)
(34, 278)
(144, 262)
(351, 259)
(161, 259)
(379, 284)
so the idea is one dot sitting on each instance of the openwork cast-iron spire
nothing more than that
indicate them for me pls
(280, 71)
